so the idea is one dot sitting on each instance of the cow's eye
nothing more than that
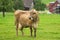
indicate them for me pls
(34, 13)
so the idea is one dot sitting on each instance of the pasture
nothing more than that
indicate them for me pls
(48, 28)
(47, 1)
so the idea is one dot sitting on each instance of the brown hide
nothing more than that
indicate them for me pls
(26, 19)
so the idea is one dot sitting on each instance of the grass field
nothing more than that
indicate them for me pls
(48, 1)
(48, 28)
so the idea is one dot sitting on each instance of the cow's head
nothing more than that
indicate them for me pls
(33, 15)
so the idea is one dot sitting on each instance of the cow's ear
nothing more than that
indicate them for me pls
(32, 10)
(37, 12)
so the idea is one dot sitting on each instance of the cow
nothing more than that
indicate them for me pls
(25, 19)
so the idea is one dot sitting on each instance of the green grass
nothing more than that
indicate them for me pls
(48, 1)
(48, 28)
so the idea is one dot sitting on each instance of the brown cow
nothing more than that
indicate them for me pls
(26, 19)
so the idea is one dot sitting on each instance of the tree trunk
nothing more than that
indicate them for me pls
(3, 10)
(3, 13)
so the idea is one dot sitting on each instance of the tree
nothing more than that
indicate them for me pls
(39, 5)
(18, 4)
(2, 7)
(11, 5)
(6, 5)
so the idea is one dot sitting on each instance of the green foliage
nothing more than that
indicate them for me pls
(6, 4)
(18, 4)
(11, 5)
(39, 5)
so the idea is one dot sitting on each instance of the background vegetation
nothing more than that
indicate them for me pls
(11, 5)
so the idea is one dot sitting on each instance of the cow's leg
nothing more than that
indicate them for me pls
(17, 29)
(34, 32)
(22, 31)
(17, 24)
(31, 30)
(35, 27)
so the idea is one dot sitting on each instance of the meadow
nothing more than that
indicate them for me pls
(47, 1)
(48, 28)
